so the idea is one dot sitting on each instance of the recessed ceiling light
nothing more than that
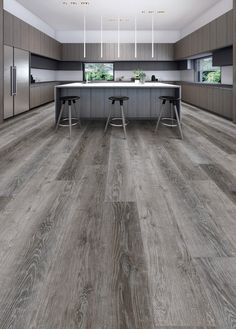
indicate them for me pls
(76, 3)
(153, 12)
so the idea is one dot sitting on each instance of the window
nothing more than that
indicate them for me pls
(98, 71)
(206, 72)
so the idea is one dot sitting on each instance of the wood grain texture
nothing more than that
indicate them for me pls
(100, 232)
(219, 279)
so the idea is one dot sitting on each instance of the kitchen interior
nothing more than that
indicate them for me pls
(118, 164)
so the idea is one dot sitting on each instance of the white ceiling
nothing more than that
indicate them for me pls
(68, 17)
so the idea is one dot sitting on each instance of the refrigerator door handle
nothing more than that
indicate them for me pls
(14, 81)
(11, 81)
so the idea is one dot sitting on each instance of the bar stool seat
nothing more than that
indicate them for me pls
(113, 121)
(68, 121)
(170, 121)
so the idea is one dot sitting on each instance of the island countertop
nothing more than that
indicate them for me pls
(94, 103)
(117, 85)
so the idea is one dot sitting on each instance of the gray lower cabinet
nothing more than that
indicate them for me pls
(216, 99)
(41, 93)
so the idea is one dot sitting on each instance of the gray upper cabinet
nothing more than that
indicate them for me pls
(75, 52)
(19, 34)
(72, 51)
(93, 52)
(8, 29)
(16, 32)
(25, 35)
(164, 51)
(215, 35)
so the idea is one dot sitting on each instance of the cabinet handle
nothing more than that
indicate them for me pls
(14, 80)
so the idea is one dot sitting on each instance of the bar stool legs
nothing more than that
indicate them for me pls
(174, 122)
(110, 121)
(159, 118)
(123, 120)
(178, 121)
(71, 101)
(60, 115)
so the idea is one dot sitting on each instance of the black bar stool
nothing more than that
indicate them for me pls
(68, 121)
(172, 121)
(112, 121)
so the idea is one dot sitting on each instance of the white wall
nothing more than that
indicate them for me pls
(227, 75)
(112, 37)
(187, 75)
(219, 9)
(43, 75)
(69, 76)
(161, 75)
(24, 14)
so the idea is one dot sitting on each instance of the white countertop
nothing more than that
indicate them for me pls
(117, 85)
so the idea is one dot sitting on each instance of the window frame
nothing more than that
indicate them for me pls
(113, 64)
(196, 72)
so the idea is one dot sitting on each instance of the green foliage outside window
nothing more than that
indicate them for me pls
(206, 72)
(98, 71)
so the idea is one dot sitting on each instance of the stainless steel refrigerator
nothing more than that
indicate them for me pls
(16, 81)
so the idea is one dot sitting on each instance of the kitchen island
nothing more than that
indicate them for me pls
(143, 100)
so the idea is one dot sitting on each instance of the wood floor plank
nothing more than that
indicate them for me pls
(120, 179)
(177, 295)
(202, 236)
(223, 179)
(126, 273)
(222, 209)
(92, 149)
(218, 276)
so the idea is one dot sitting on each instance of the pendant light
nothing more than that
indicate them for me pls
(153, 36)
(135, 37)
(101, 37)
(84, 37)
(118, 43)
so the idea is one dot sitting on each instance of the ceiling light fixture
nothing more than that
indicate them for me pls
(152, 36)
(101, 37)
(118, 27)
(135, 37)
(84, 37)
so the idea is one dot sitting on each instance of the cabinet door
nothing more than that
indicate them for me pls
(16, 32)
(227, 103)
(229, 21)
(34, 40)
(221, 31)
(127, 51)
(213, 35)
(8, 29)
(35, 96)
(205, 38)
(109, 51)
(73, 52)
(93, 52)
(24, 35)
(144, 51)
(164, 52)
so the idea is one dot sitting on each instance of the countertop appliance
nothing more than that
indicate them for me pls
(16, 81)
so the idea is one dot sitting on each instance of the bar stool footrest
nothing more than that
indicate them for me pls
(65, 122)
(169, 122)
(114, 124)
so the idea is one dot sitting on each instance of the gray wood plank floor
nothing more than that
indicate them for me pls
(98, 232)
